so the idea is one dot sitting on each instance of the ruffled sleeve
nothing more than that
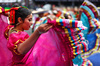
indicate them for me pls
(15, 39)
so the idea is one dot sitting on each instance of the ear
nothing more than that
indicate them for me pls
(20, 20)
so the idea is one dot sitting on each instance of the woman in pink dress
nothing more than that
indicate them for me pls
(57, 47)
(19, 42)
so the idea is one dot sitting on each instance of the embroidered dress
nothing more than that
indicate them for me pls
(13, 40)
(89, 18)
(91, 13)
(57, 47)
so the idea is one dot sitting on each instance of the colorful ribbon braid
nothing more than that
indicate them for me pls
(12, 15)
(12, 12)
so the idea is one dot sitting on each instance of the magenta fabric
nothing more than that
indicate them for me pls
(5, 54)
(53, 48)
(50, 50)
(13, 40)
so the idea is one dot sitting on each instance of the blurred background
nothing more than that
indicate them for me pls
(71, 6)
(33, 4)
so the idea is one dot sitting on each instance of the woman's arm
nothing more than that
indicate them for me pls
(29, 43)
(80, 12)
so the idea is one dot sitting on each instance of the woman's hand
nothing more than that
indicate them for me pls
(24, 47)
(44, 28)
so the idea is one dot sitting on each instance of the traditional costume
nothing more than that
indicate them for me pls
(64, 37)
(89, 18)
(60, 46)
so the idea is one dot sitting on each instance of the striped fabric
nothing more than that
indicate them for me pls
(91, 12)
(94, 23)
(72, 30)
(96, 48)
(70, 33)
(69, 23)
(7, 9)
(92, 7)
(86, 62)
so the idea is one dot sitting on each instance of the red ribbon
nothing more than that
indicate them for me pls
(12, 15)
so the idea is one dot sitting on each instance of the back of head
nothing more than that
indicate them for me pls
(20, 12)
(15, 5)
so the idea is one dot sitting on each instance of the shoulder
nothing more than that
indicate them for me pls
(16, 38)
(18, 35)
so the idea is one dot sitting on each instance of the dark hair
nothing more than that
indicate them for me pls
(21, 12)
(66, 16)
(15, 5)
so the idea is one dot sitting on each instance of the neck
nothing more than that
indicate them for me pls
(19, 28)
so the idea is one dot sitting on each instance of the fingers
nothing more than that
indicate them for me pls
(49, 27)
(44, 27)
